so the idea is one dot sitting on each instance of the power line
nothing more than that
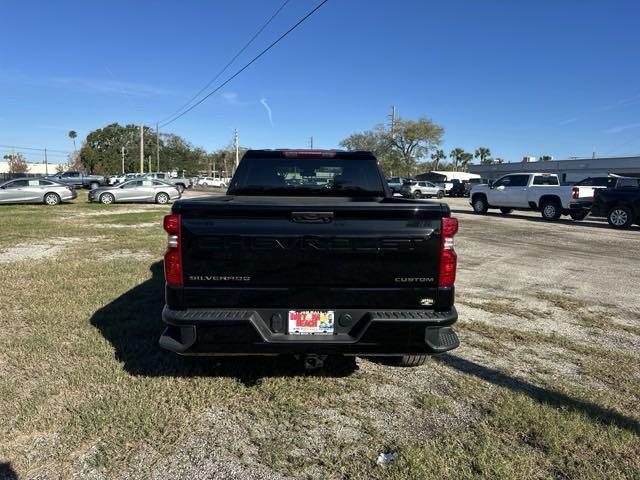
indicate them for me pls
(273, 44)
(35, 149)
(246, 45)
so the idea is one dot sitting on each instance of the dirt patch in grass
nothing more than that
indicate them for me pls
(511, 307)
(127, 255)
(36, 251)
(126, 225)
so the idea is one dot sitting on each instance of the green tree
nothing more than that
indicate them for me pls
(437, 157)
(456, 156)
(400, 152)
(73, 135)
(483, 154)
(377, 142)
(498, 160)
(17, 163)
(465, 160)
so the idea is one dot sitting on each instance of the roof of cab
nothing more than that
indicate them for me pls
(309, 153)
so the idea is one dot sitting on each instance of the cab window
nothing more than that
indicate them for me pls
(545, 180)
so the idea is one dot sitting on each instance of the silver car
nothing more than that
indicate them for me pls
(138, 190)
(36, 190)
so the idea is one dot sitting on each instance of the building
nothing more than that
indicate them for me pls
(34, 168)
(569, 171)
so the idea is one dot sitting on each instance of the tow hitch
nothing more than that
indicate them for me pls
(313, 361)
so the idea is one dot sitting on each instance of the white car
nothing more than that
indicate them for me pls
(533, 191)
(212, 182)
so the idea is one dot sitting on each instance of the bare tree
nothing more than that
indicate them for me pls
(17, 163)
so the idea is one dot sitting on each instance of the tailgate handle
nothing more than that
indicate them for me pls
(312, 217)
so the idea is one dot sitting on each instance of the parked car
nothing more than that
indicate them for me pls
(262, 271)
(533, 191)
(396, 183)
(36, 190)
(620, 204)
(79, 180)
(181, 183)
(459, 188)
(212, 182)
(421, 189)
(139, 190)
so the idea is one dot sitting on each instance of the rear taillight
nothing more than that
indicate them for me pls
(173, 255)
(448, 257)
(575, 193)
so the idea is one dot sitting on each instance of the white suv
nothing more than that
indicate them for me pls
(212, 182)
(421, 189)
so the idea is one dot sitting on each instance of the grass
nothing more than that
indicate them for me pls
(84, 387)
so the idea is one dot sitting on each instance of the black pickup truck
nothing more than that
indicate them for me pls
(620, 202)
(309, 254)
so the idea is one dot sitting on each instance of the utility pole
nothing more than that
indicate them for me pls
(393, 120)
(149, 162)
(157, 148)
(122, 154)
(141, 148)
(311, 142)
(235, 140)
(46, 163)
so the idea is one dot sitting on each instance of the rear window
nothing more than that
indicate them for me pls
(307, 177)
(628, 183)
(597, 182)
(545, 180)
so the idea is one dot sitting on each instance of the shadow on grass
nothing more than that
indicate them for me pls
(7, 472)
(132, 323)
(550, 397)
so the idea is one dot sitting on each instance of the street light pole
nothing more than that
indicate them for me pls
(141, 148)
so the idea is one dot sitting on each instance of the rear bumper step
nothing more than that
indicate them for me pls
(357, 332)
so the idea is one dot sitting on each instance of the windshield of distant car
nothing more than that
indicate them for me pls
(307, 177)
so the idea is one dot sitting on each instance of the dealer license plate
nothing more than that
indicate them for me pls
(311, 322)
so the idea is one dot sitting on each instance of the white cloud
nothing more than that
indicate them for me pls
(264, 103)
(622, 128)
(568, 121)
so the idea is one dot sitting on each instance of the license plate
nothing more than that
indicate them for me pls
(311, 322)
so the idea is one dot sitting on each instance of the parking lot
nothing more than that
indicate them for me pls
(545, 383)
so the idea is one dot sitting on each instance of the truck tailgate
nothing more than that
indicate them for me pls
(277, 252)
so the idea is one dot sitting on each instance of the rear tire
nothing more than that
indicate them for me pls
(550, 210)
(162, 198)
(577, 216)
(479, 204)
(620, 217)
(411, 360)
(51, 199)
(506, 211)
(440, 194)
(107, 198)
(417, 194)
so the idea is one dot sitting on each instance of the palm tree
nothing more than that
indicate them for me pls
(465, 159)
(484, 154)
(437, 156)
(72, 136)
(455, 156)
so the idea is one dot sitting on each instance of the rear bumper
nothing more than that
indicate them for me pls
(580, 205)
(264, 332)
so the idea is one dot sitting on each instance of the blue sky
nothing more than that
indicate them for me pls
(556, 77)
